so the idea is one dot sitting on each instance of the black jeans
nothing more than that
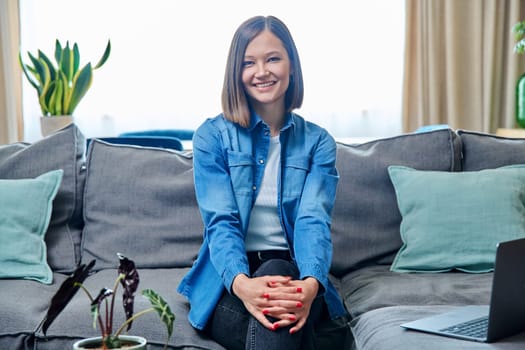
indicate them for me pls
(233, 326)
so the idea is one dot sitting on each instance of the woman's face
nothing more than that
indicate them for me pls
(266, 70)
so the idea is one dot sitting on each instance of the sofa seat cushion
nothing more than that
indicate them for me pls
(140, 201)
(26, 301)
(380, 329)
(376, 287)
(366, 218)
(64, 150)
(75, 321)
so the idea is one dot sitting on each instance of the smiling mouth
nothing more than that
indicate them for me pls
(263, 85)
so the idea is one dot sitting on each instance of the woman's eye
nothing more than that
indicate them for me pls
(274, 59)
(247, 63)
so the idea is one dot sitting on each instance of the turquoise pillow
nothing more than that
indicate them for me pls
(454, 220)
(25, 212)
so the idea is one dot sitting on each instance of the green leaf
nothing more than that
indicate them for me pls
(66, 62)
(81, 84)
(162, 308)
(43, 58)
(105, 56)
(76, 59)
(58, 96)
(26, 69)
(58, 52)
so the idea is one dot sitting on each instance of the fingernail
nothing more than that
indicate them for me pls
(299, 290)
(292, 318)
(292, 331)
(299, 304)
(273, 282)
(266, 295)
(265, 312)
(275, 326)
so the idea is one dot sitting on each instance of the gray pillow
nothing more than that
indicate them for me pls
(366, 218)
(61, 150)
(140, 202)
(485, 151)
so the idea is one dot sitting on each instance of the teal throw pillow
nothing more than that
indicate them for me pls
(454, 220)
(25, 212)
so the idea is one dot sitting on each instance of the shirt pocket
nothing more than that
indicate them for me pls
(241, 172)
(294, 175)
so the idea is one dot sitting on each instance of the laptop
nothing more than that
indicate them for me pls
(504, 317)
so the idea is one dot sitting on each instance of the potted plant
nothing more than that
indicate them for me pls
(60, 86)
(519, 48)
(129, 279)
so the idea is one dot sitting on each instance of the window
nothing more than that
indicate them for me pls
(168, 57)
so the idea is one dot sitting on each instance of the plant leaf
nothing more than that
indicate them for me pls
(130, 282)
(65, 293)
(44, 59)
(26, 69)
(163, 309)
(58, 52)
(105, 56)
(76, 59)
(80, 86)
(95, 304)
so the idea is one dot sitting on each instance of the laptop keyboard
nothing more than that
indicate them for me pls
(476, 328)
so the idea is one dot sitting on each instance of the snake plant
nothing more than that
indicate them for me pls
(62, 85)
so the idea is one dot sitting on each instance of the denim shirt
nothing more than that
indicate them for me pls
(228, 169)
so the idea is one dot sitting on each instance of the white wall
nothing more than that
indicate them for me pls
(168, 58)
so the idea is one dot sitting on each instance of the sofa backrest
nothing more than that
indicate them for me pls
(61, 150)
(140, 202)
(366, 218)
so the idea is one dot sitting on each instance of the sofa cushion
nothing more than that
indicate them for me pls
(451, 220)
(486, 151)
(374, 287)
(140, 202)
(366, 219)
(379, 329)
(25, 211)
(64, 150)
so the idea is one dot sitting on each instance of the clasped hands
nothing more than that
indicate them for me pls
(286, 300)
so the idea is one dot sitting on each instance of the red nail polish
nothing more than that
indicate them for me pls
(275, 326)
(299, 290)
(266, 295)
(265, 312)
(292, 318)
(292, 331)
(299, 304)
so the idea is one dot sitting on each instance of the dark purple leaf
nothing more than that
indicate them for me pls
(130, 282)
(65, 293)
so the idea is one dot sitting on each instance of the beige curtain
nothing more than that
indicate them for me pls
(11, 121)
(460, 68)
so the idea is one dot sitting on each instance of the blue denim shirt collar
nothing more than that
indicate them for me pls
(255, 120)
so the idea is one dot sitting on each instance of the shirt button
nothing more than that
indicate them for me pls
(261, 161)
(254, 188)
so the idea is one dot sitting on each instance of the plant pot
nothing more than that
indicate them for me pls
(49, 125)
(131, 342)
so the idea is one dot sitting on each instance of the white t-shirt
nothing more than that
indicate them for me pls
(264, 229)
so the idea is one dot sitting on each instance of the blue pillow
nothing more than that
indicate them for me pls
(454, 220)
(25, 212)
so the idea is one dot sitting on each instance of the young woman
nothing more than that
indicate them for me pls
(265, 181)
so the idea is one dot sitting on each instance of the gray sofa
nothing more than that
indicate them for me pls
(140, 202)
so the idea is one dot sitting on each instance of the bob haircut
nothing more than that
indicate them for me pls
(235, 103)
